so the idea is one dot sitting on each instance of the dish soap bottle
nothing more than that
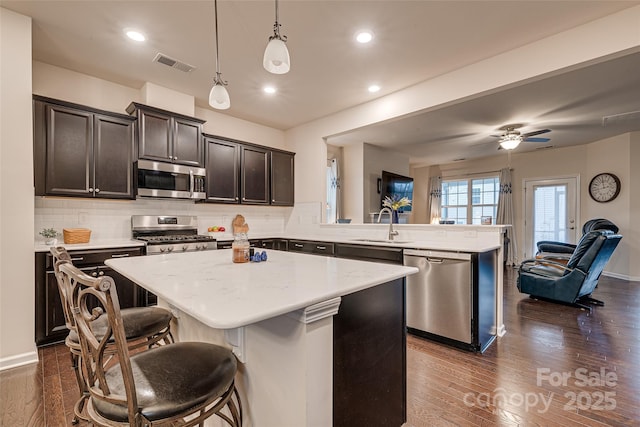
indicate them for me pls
(240, 248)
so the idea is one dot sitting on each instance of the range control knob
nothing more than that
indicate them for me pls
(170, 249)
(162, 249)
(184, 248)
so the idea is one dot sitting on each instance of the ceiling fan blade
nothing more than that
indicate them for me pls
(537, 139)
(535, 132)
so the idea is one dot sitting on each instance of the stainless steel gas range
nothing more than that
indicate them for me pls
(166, 234)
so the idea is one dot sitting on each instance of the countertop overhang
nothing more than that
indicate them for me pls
(223, 295)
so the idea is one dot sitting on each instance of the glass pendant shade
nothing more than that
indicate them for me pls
(276, 57)
(219, 97)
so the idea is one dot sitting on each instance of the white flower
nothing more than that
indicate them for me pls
(395, 203)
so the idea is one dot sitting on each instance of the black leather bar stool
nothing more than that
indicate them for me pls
(144, 327)
(178, 384)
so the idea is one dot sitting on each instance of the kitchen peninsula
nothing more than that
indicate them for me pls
(321, 340)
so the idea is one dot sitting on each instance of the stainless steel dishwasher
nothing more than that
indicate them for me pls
(439, 297)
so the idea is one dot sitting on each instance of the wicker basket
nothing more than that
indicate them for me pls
(76, 235)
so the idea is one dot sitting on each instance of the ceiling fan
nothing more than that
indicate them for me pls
(511, 137)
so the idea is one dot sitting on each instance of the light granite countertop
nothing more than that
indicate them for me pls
(39, 246)
(211, 288)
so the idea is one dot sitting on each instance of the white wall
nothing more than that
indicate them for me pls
(17, 296)
(353, 183)
(613, 155)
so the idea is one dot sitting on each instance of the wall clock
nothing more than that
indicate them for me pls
(604, 187)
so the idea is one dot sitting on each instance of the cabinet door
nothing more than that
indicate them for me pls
(187, 142)
(55, 325)
(113, 157)
(223, 163)
(69, 140)
(282, 173)
(255, 176)
(128, 291)
(154, 135)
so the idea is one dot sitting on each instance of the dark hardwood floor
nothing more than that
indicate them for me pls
(516, 382)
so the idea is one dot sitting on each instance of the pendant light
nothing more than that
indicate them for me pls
(218, 97)
(276, 56)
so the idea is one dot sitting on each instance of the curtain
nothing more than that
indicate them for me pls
(435, 198)
(506, 216)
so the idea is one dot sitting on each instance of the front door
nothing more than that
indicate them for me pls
(550, 212)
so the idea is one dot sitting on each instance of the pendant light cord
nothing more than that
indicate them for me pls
(276, 27)
(215, 6)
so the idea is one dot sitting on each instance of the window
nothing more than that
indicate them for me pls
(466, 201)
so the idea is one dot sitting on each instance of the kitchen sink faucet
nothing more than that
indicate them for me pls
(392, 232)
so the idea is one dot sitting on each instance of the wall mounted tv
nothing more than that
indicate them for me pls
(396, 186)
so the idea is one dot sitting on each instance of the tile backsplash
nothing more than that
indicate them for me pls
(111, 219)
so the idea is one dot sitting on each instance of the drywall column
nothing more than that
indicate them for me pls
(17, 312)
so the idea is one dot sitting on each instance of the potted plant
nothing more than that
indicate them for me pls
(49, 235)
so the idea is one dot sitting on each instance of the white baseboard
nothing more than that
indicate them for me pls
(18, 360)
(621, 276)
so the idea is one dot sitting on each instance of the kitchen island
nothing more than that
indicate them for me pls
(321, 340)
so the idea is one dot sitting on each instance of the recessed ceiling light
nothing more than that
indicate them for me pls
(374, 88)
(364, 36)
(269, 89)
(135, 35)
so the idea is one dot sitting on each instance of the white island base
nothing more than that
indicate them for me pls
(285, 371)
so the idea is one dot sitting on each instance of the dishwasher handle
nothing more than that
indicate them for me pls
(437, 256)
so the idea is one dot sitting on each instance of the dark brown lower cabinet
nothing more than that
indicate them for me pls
(50, 323)
(370, 326)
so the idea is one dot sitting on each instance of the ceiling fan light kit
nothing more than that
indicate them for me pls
(509, 142)
(276, 58)
(511, 137)
(218, 96)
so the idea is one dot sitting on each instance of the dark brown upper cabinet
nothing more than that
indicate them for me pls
(282, 178)
(239, 172)
(81, 151)
(223, 170)
(168, 137)
(254, 175)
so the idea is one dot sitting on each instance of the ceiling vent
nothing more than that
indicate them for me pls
(546, 147)
(620, 118)
(173, 63)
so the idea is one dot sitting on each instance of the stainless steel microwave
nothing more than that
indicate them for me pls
(168, 180)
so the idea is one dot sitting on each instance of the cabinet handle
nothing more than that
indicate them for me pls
(175, 157)
(90, 189)
(97, 190)
(94, 274)
(322, 248)
(298, 245)
(101, 273)
(77, 259)
(119, 255)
